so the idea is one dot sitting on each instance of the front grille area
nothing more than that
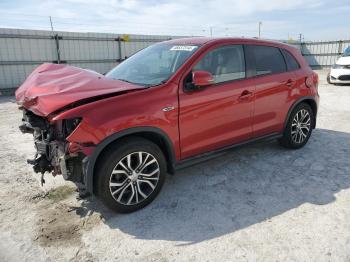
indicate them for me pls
(344, 78)
(42, 147)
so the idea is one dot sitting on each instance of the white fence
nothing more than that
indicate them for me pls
(23, 50)
(322, 53)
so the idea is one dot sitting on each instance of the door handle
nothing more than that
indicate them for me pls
(245, 95)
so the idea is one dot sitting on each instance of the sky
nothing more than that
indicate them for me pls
(281, 19)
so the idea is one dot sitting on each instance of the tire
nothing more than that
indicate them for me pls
(292, 136)
(134, 183)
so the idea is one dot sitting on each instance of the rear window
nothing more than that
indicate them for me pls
(292, 63)
(268, 60)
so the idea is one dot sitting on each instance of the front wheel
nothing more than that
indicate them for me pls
(299, 127)
(130, 174)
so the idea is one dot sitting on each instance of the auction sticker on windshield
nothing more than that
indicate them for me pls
(183, 48)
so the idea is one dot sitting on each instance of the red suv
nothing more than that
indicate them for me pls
(168, 106)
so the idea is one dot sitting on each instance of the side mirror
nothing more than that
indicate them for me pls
(202, 78)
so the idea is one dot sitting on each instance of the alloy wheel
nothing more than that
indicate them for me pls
(134, 178)
(301, 126)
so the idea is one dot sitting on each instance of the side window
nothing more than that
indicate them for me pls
(268, 60)
(224, 63)
(292, 63)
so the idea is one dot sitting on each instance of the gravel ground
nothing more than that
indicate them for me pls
(257, 203)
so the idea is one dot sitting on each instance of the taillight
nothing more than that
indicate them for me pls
(312, 80)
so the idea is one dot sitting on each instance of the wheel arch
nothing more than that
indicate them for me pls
(308, 100)
(155, 135)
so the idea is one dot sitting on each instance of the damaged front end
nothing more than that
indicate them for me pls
(50, 98)
(54, 153)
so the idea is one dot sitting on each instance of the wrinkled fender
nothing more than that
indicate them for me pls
(92, 159)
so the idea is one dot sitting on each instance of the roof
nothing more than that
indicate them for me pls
(191, 40)
(205, 40)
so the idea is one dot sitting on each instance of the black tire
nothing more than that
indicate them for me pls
(288, 139)
(109, 162)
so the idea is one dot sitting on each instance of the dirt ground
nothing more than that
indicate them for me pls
(257, 203)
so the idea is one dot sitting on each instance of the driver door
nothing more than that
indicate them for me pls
(218, 115)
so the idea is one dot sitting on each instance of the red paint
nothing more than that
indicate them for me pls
(215, 117)
(202, 78)
(202, 120)
(50, 87)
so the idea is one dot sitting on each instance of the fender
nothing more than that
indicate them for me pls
(300, 100)
(90, 162)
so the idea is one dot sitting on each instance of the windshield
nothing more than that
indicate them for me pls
(152, 65)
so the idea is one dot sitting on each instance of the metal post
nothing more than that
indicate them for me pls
(260, 24)
(211, 31)
(56, 38)
(51, 25)
(57, 48)
(119, 49)
(340, 47)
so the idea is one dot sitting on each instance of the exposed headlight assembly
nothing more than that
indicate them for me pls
(69, 125)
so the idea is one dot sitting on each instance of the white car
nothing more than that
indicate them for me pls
(340, 71)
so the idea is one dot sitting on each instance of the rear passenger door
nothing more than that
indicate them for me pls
(274, 87)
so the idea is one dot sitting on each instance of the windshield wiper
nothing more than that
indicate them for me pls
(127, 81)
(145, 85)
(158, 84)
(124, 80)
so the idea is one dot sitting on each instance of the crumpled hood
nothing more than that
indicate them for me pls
(51, 87)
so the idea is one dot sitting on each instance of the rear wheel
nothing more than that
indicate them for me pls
(299, 127)
(130, 174)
